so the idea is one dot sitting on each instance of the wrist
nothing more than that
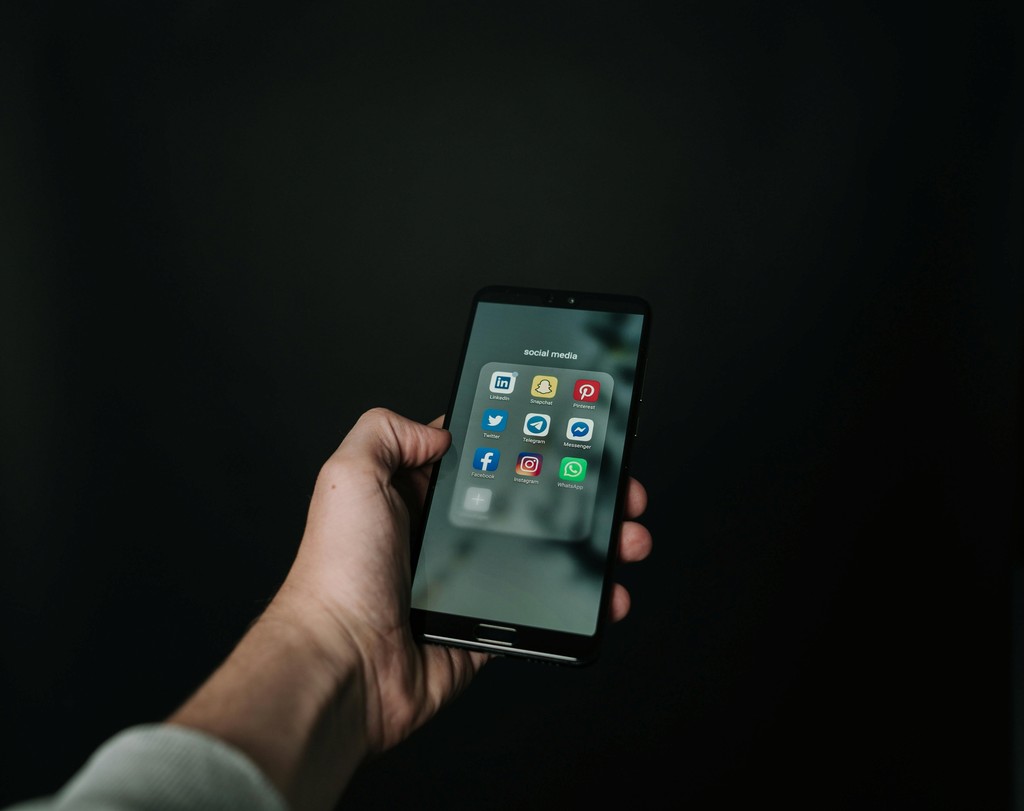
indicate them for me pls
(296, 708)
(326, 639)
(344, 644)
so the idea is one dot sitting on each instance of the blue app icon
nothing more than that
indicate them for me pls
(486, 459)
(494, 420)
(580, 428)
(536, 424)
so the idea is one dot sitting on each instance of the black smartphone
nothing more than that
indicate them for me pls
(517, 542)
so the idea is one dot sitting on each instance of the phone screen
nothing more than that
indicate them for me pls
(522, 509)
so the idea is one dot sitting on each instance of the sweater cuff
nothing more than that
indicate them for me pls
(163, 766)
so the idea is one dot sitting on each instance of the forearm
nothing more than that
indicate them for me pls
(298, 713)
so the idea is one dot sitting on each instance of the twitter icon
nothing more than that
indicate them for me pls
(494, 420)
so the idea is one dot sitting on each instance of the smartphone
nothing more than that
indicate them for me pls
(517, 541)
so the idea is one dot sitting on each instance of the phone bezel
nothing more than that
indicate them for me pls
(540, 644)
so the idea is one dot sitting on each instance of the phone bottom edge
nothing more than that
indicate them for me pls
(504, 650)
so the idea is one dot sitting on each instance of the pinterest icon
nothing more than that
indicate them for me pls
(586, 391)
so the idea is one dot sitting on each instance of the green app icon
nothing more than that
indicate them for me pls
(573, 469)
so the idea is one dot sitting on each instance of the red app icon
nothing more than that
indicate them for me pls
(586, 391)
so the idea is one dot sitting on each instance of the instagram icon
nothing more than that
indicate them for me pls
(529, 464)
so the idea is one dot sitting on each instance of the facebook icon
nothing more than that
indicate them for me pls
(486, 459)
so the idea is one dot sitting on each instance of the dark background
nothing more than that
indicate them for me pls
(230, 228)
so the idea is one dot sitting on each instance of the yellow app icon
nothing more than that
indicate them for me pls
(544, 386)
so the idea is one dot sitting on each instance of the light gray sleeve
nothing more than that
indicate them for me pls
(165, 767)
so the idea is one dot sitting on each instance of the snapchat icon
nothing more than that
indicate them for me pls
(544, 386)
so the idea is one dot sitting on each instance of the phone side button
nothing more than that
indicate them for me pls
(495, 634)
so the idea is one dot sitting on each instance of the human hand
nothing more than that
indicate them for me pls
(350, 583)
(352, 569)
(330, 672)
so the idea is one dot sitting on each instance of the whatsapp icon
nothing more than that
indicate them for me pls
(573, 469)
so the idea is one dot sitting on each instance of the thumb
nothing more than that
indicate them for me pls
(394, 442)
